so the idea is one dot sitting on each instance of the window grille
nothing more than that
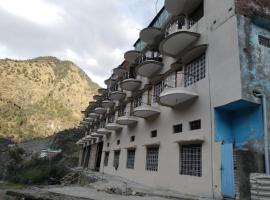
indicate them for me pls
(154, 133)
(137, 101)
(191, 159)
(116, 159)
(177, 128)
(195, 70)
(114, 88)
(111, 118)
(130, 158)
(195, 125)
(130, 74)
(158, 88)
(121, 111)
(152, 158)
(264, 41)
(132, 138)
(106, 158)
(170, 81)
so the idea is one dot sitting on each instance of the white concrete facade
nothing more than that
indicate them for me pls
(221, 85)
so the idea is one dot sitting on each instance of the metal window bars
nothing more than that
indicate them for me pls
(106, 158)
(114, 88)
(137, 101)
(130, 158)
(116, 159)
(195, 70)
(191, 159)
(130, 74)
(152, 158)
(111, 118)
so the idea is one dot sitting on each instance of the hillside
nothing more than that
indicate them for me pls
(41, 96)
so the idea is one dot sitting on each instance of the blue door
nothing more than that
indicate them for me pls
(227, 170)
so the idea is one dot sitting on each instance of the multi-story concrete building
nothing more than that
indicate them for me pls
(185, 109)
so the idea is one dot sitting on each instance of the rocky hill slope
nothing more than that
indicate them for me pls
(41, 96)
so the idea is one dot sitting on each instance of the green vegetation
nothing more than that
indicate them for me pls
(34, 171)
(41, 96)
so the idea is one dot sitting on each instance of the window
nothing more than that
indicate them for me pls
(130, 158)
(154, 133)
(196, 15)
(191, 159)
(158, 88)
(106, 158)
(152, 158)
(108, 144)
(132, 138)
(195, 125)
(137, 101)
(116, 159)
(264, 41)
(177, 128)
(195, 70)
(118, 142)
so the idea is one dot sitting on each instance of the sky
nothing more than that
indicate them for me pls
(94, 34)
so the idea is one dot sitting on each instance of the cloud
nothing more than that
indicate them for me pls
(92, 34)
(37, 11)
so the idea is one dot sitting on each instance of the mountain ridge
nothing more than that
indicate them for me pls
(41, 96)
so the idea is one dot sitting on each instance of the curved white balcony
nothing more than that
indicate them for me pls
(117, 95)
(96, 135)
(151, 35)
(149, 66)
(126, 119)
(107, 103)
(132, 56)
(119, 71)
(181, 6)
(145, 111)
(103, 131)
(93, 115)
(110, 81)
(102, 91)
(179, 88)
(97, 97)
(175, 96)
(93, 103)
(113, 126)
(175, 43)
(100, 110)
(178, 37)
(130, 84)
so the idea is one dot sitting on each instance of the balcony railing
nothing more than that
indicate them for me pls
(181, 23)
(130, 74)
(150, 58)
(102, 124)
(114, 88)
(177, 79)
(111, 118)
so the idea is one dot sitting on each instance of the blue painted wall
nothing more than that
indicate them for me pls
(254, 59)
(240, 123)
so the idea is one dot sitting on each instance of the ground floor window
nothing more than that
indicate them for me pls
(191, 159)
(152, 158)
(106, 158)
(116, 159)
(130, 158)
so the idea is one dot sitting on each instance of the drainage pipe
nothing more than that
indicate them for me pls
(262, 96)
